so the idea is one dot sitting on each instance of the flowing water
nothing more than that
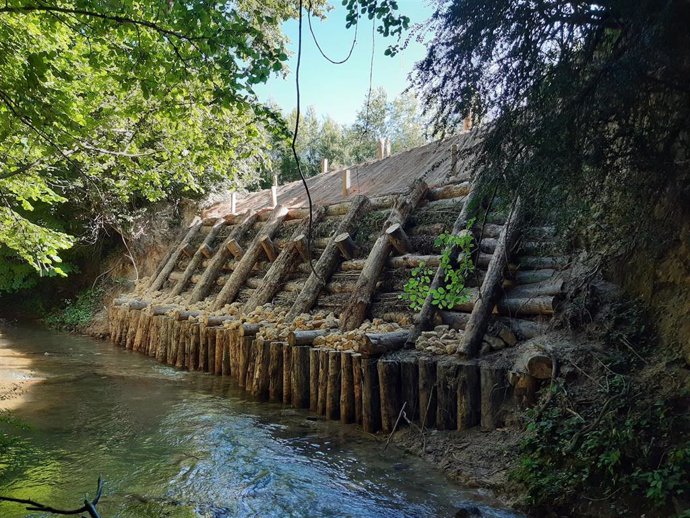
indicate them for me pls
(171, 443)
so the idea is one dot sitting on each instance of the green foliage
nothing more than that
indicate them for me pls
(391, 23)
(587, 104)
(457, 265)
(77, 313)
(624, 445)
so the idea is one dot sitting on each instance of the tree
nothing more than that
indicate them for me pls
(586, 104)
(109, 106)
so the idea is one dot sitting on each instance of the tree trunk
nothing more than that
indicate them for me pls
(197, 258)
(203, 287)
(244, 266)
(283, 265)
(354, 311)
(491, 287)
(495, 390)
(329, 259)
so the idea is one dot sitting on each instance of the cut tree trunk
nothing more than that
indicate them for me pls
(275, 372)
(427, 391)
(244, 267)
(333, 386)
(389, 392)
(347, 389)
(329, 259)
(169, 265)
(495, 390)
(300, 376)
(215, 266)
(199, 256)
(371, 405)
(491, 286)
(354, 312)
(281, 267)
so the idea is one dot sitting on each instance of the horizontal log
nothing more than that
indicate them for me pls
(217, 320)
(162, 309)
(488, 230)
(130, 303)
(455, 190)
(399, 239)
(537, 289)
(381, 343)
(524, 329)
(400, 261)
(251, 329)
(532, 306)
(346, 245)
(530, 276)
(306, 337)
(270, 249)
(537, 263)
(186, 315)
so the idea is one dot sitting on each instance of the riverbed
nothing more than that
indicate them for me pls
(173, 443)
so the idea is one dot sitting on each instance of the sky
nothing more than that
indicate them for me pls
(340, 90)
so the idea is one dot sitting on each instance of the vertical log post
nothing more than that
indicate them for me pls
(389, 388)
(371, 405)
(313, 379)
(357, 385)
(347, 389)
(409, 380)
(333, 386)
(323, 381)
(300, 376)
(287, 374)
(469, 398)
(427, 390)
(495, 389)
(275, 372)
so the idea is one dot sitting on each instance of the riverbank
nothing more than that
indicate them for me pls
(16, 376)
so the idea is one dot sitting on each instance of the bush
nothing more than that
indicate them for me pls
(77, 313)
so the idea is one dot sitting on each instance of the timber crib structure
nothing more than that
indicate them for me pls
(318, 323)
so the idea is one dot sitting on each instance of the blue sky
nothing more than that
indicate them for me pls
(339, 90)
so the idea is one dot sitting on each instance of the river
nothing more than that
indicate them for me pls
(172, 443)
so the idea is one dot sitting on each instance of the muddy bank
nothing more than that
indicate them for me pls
(16, 376)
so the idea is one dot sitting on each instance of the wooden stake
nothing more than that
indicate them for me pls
(323, 382)
(389, 388)
(333, 386)
(287, 374)
(409, 381)
(357, 385)
(270, 248)
(427, 390)
(495, 389)
(346, 245)
(300, 376)
(399, 239)
(371, 405)
(275, 371)
(313, 378)
(347, 389)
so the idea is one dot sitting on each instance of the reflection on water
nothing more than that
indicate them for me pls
(170, 443)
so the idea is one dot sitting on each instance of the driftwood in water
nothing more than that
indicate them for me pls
(389, 392)
(347, 389)
(203, 251)
(158, 281)
(328, 262)
(275, 371)
(214, 267)
(427, 390)
(281, 267)
(491, 287)
(354, 311)
(371, 405)
(333, 386)
(495, 390)
(244, 266)
(426, 314)
(299, 382)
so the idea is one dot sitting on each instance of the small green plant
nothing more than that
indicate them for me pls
(78, 312)
(457, 265)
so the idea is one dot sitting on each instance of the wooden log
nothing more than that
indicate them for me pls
(537, 289)
(244, 266)
(207, 340)
(261, 369)
(244, 359)
(530, 276)
(524, 329)
(468, 396)
(491, 286)
(380, 343)
(162, 309)
(323, 382)
(409, 385)
(453, 190)
(187, 250)
(313, 378)
(287, 374)
(329, 259)
(347, 389)
(180, 357)
(217, 320)
(354, 311)
(193, 358)
(275, 371)
(134, 317)
(173, 345)
(524, 390)
(234, 248)
(529, 306)
(389, 390)
(251, 365)
(306, 337)
(399, 239)
(538, 262)
(215, 265)
(447, 370)
(226, 353)
(357, 385)
(301, 244)
(427, 390)
(130, 303)
(426, 314)
(495, 390)
(333, 386)
(204, 250)
(454, 319)
(371, 403)
(216, 352)
(299, 383)
(269, 248)
(398, 261)
(540, 366)
(172, 259)
(281, 267)
(346, 245)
